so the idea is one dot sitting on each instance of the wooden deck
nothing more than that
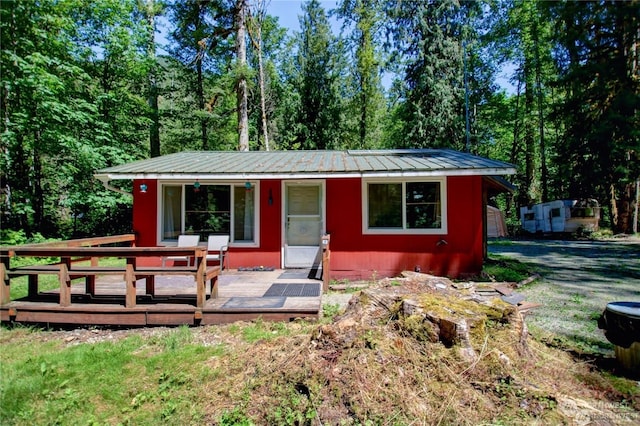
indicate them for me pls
(280, 295)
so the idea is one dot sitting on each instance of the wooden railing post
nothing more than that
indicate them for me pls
(5, 289)
(326, 264)
(200, 259)
(130, 278)
(65, 285)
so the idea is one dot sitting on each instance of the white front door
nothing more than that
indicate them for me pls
(304, 224)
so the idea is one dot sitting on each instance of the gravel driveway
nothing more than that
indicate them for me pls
(579, 278)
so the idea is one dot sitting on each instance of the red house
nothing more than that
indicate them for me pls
(385, 210)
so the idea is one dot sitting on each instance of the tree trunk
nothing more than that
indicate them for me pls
(38, 193)
(529, 134)
(544, 173)
(200, 95)
(635, 210)
(255, 35)
(263, 103)
(241, 55)
(154, 131)
(622, 200)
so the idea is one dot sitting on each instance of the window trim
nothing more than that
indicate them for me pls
(231, 183)
(443, 230)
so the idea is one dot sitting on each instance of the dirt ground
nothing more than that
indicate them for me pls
(578, 279)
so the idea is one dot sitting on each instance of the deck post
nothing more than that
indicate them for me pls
(33, 285)
(5, 289)
(201, 276)
(130, 279)
(326, 262)
(151, 285)
(65, 285)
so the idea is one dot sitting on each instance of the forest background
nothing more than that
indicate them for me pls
(87, 84)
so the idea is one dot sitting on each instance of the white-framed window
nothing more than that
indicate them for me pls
(209, 208)
(404, 206)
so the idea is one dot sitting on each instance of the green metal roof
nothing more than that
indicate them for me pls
(307, 164)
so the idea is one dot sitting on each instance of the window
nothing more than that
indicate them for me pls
(410, 207)
(209, 209)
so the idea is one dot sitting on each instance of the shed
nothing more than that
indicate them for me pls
(385, 210)
(496, 225)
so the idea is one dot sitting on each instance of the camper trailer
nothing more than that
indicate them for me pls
(560, 216)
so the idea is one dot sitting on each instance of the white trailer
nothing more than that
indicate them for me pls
(560, 216)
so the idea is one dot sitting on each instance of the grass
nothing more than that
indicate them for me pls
(297, 373)
(134, 380)
(291, 374)
(502, 268)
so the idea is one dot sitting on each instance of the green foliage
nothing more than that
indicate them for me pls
(504, 269)
(260, 330)
(329, 311)
(431, 112)
(78, 81)
(318, 120)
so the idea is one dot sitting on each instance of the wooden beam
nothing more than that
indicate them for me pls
(65, 285)
(5, 288)
(130, 280)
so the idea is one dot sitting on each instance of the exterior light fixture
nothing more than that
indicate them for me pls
(196, 186)
(143, 188)
(247, 186)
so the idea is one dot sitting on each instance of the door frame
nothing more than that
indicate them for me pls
(323, 211)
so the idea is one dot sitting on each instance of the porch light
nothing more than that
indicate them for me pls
(143, 188)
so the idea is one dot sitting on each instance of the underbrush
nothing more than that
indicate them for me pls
(352, 370)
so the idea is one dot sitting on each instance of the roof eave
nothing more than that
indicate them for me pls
(106, 177)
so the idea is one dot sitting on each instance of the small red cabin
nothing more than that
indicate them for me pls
(385, 210)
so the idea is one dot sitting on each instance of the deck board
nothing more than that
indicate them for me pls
(174, 302)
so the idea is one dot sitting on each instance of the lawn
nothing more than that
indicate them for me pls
(342, 369)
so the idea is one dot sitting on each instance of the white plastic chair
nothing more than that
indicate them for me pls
(217, 247)
(184, 241)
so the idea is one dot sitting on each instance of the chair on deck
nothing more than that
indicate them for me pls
(184, 241)
(217, 247)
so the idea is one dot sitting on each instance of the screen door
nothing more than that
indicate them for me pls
(303, 224)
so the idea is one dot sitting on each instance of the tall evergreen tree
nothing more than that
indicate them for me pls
(151, 9)
(367, 98)
(598, 62)
(427, 35)
(202, 30)
(319, 114)
(240, 21)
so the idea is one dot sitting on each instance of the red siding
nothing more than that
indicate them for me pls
(269, 252)
(145, 215)
(354, 255)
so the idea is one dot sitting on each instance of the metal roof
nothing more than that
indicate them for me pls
(307, 164)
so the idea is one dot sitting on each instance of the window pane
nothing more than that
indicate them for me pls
(172, 212)
(423, 205)
(243, 214)
(207, 210)
(385, 205)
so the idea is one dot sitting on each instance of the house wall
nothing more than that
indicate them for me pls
(358, 256)
(145, 214)
(354, 255)
(269, 252)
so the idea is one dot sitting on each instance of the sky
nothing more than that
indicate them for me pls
(288, 11)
